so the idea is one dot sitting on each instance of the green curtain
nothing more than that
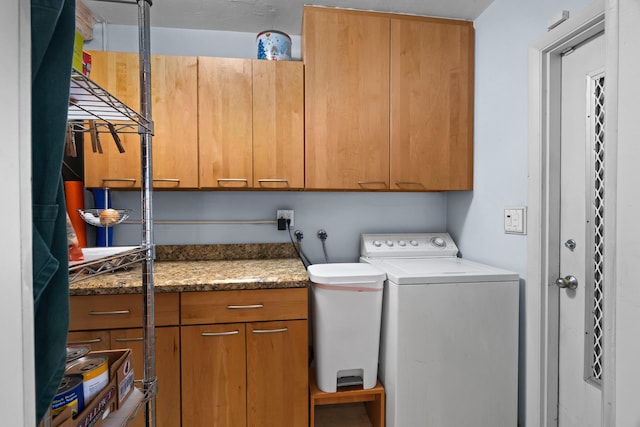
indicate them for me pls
(52, 37)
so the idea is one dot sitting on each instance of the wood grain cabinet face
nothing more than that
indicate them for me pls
(250, 123)
(214, 375)
(346, 58)
(118, 74)
(245, 373)
(174, 113)
(93, 312)
(278, 124)
(388, 101)
(96, 340)
(225, 122)
(277, 369)
(431, 105)
(167, 362)
(106, 322)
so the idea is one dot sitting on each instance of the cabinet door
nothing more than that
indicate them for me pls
(174, 88)
(277, 374)
(225, 122)
(278, 124)
(174, 113)
(431, 104)
(346, 57)
(167, 360)
(213, 375)
(118, 74)
(96, 340)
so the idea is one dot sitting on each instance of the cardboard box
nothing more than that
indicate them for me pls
(109, 399)
(85, 20)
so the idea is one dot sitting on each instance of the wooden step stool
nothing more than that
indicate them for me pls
(373, 398)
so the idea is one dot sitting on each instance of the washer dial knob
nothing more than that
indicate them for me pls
(438, 242)
(377, 243)
(402, 243)
(389, 243)
(413, 242)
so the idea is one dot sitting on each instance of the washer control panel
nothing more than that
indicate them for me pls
(407, 245)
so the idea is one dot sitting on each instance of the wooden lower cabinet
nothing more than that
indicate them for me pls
(167, 364)
(106, 322)
(167, 370)
(96, 340)
(223, 359)
(245, 374)
(277, 374)
(213, 375)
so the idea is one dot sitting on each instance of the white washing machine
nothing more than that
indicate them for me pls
(449, 334)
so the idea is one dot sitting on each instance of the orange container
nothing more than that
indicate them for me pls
(74, 195)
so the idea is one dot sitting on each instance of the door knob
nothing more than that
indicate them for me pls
(567, 282)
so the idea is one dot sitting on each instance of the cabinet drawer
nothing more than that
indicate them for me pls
(120, 311)
(243, 306)
(96, 340)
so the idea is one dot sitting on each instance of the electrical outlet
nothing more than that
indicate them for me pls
(285, 214)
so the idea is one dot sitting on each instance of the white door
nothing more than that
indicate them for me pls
(581, 235)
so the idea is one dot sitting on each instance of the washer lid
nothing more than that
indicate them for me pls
(354, 274)
(411, 271)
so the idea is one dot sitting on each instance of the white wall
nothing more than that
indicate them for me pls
(172, 41)
(17, 393)
(344, 215)
(503, 34)
(475, 220)
(627, 241)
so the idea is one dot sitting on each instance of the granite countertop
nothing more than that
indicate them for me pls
(186, 268)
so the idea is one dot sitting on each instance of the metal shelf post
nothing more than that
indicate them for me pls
(150, 379)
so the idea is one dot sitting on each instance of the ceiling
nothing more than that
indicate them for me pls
(254, 16)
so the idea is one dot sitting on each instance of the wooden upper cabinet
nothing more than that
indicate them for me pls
(225, 122)
(174, 113)
(278, 124)
(174, 87)
(346, 56)
(118, 74)
(388, 101)
(431, 104)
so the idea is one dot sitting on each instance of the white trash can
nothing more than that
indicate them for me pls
(346, 310)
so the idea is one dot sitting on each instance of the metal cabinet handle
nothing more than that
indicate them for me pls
(93, 341)
(220, 334)
(108, 313)
(401, 183)
(245, 180)
(129, 339)
(242, 307)
(274, 181)
(269, 331)
(132, 180)
(175, 180)
(372, 182)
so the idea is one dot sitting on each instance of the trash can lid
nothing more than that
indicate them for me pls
(346, 274)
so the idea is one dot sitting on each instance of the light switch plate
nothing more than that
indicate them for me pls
(515, 220)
